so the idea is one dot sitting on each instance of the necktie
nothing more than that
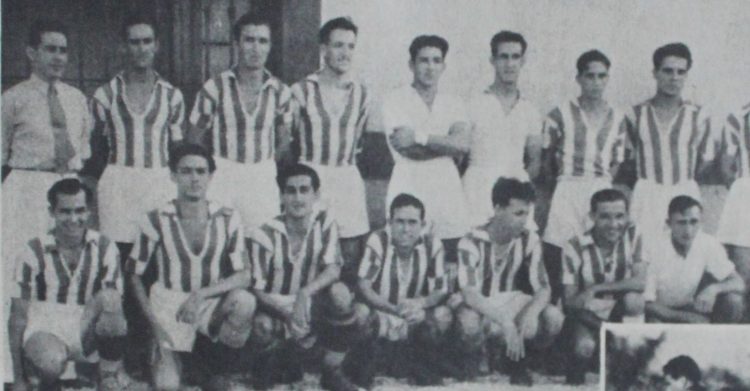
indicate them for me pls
(64, 150)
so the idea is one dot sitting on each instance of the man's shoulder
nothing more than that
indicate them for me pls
(16, 90)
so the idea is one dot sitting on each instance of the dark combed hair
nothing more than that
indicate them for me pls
(681, 203)
(250, 18)
(186, 149)
(683, 366)
(138, 18)
(425, 41)
(42, 26)
(298, 169)
(677, 49)
(591, 56)
(507, 36)
(403, 200)
(340, 23)
(506, 189)
(69, 186)
(607, 195)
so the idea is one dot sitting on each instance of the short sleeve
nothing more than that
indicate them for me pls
(146, 243)
(469, 272)
(331, 250)
(718, 264)
(176, 116)
(572, 263)
(25, 271)
(437, 281)
(284, 106)
(372, 260)
(111, 273)
(260, 258)
(205, 106)
(538, 277)
(552, 129)
(235, 243)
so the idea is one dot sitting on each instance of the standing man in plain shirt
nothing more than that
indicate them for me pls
(426, 129)
(503, 121)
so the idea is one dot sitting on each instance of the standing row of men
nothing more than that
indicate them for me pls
(247, 119)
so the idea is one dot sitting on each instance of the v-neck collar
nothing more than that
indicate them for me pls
(49, 243)
(151, 97)
(213, 208)
(279, 225)
(663, 128)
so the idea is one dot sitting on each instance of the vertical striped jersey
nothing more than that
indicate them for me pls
(41, 273)
(285, 272)
(736, 139)
(138, 139)
(585, 266)
(321, 135)
(670, 154)
(161, 239)
(520, 268)
(231, 131)
(424, 274)
(579, 149)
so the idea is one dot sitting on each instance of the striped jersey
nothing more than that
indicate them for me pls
(392, 280)
(669, 154)
(161, 239)
(578, 149)
(285, 272)
(520, 268)
(322, 136)
(736, 139)
(585, 265)
(231, 131)
(41, 273)
(138, 139)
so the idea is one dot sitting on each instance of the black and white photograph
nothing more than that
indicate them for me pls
(372, 194)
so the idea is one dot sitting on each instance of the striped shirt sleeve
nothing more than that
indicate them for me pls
(112, 275)
(372, 260)
(469, 272)
(24, 276)
(145, 244)
(629, 133)
(100, 114)
(537, 271)
(331, 254)
(552, 129)
(260, 258)
(711, 137)
(438, 282)
(572, 263)
(177, 116)
(235, 244)
(284, 108)
(205, 106)
(730, 135)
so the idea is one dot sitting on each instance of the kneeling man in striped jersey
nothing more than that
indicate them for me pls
(202, 276)
(504, 284)
(67, 298)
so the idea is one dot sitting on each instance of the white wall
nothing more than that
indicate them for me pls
(628, 31)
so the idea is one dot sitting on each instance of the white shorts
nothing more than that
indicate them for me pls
(126, 194)
(251, 189)
(601, 307)
(287, 303)
(569, 210)
(342, 192)
(733, 227)
(477, 183)
(165, 304)
(508, 303)
(392, 327)
(650, 203)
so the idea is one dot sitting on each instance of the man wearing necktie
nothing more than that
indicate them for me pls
(45, 137)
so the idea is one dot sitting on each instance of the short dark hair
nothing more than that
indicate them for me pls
(591, 56)
(340, 23)
(506, 189)
(607, 195)
(188, 149)
(249, 18)
(681, 203)
(138, 18)
(425, 41)
(683, 366)
(68, 186)
(403, 200)
(298, 169)
(41, 26)
(507, 36)
(676, 49)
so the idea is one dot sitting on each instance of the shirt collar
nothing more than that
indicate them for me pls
(587, 238)
(50, 244)
(37, 83)
(269, 80)
(347, 81)
(120, 76)
(170, 208)
(277, 223)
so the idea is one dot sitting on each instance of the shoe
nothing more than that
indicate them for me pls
(335, 380)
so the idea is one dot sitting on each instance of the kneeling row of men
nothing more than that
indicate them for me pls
(275, 292)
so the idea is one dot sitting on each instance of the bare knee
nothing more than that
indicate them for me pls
(264, 330)
(340, 296)
(47, 353)
(729, 308)
(552, 320)
(242, 304)
(166, 373)
(109, 300)
(442, 317)
(469, 322)
(585, 345)
(633, 304)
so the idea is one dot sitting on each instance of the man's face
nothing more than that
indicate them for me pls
(514, 216)
(685, 225)
(51, 56)
(610, 220)
(298, 196)
(593, 80)
(141, 46)
(671, 75)
(406, 226)
(339, 50)
(254, 45)
(71, 214)
(508, 61)
(192, 177)
(428, 66)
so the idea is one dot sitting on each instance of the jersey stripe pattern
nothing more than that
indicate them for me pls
(585, 266)
(320, 136)
(580, 150)
(42, 274)
(139, 140)
(670, 155)
(381, 266)
(230, 130)
(520, 269)
(284, 272)
(161, 239)
(736, 139)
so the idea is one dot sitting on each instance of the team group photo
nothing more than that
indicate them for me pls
(237, 195)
